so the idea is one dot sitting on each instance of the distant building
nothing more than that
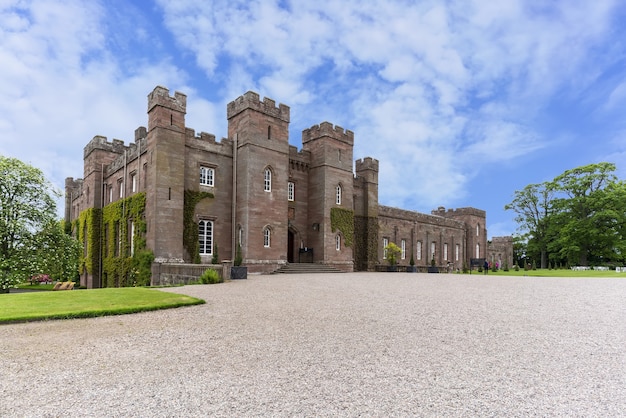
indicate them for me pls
(500, 252)
(185, 196)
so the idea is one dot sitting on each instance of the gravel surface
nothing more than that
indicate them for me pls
(360, 344)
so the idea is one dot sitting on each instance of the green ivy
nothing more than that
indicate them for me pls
(190, 226)
(343, 220)
(119, 267)
(87, 227)
(366, 242)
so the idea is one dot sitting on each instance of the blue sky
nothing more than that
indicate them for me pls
(462, 102)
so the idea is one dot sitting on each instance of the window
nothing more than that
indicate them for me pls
(385, 243)
(267, 185)
(240, 236)
(205, 237)
(110, 193)
(337, 242)
(266, 237)
(433, 245)
(338, 194)
(131, 233)
(457, 250)
(207, 176)
(403, 248)
(477, 250)
(419, 250)
(477, 230)
(133, 182)
(290, 191)
(445, 251)
(120, 185)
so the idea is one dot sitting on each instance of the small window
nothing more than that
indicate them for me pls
(290, 191)
(457, 250)
(445, 251)
(337, 242)
(385, 243)
(477, 230)
(110, 193)
(433, 246)
(419, 250)
(207, 176)
(266, 237)
(403, 249)
(269, 132)
(477, 250)
(267, 181)
(133, 181)
(338, 194)
(120, 186)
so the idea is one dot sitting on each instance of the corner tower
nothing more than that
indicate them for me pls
(331, 184)
(165, 173)
(260, 134)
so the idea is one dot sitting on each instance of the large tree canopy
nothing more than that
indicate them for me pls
(27, 211)
(577, 218)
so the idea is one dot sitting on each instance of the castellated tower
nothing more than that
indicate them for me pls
(475, 221)
(260, 134)
(165, 173)
(330, 186)
(366, 214)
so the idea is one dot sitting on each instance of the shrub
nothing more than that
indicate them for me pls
(215, 258)
(210, 276)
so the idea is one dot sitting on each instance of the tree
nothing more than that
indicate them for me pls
(27, 207)
(534, 205)
(576, 218)
(590, 214)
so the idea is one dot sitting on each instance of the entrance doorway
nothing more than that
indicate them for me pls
(290, 244)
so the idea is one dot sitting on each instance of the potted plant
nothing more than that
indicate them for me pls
(433, 267)
(237, 271)
(411, 268)
(392, 256)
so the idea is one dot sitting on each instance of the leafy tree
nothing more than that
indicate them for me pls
(590, 217)
(393, 251)
(533, 206)
(27, 209)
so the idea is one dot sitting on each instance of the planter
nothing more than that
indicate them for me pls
(238, 273)
(393, 268)
(411, 269)
(433, 269)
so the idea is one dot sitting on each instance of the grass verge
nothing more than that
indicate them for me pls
(37, 306)
(557, 273)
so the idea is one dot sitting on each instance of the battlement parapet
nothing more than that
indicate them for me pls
(140, 133)
(251, 100)
(441, 211)
(367, 163)
(101, 143)
(327, 129)
(160, 96)
(409, 215)
(502, 240)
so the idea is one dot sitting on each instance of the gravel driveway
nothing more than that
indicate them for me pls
(359, 344)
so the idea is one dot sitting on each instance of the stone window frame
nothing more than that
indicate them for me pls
(267, 237)
(338, 193)
(207, 175)
(202, 238)
(133, 181)
(418, 250)
(267, 179)
(403, 249)
(338, 242)
(385, 243)
(291, 191)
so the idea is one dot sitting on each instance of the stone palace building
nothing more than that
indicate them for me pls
(185, 198)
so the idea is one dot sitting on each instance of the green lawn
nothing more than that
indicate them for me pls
(557, 273)
(33, 306)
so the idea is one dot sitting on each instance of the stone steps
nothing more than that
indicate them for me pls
(306, 268)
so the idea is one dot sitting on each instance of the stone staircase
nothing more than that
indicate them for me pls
(306, 268)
